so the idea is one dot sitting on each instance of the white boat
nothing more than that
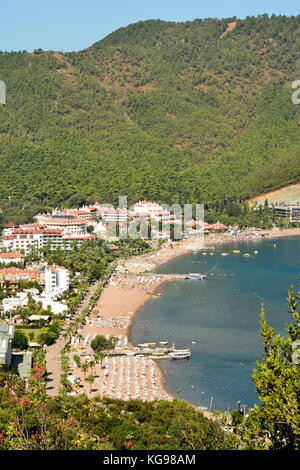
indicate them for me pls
(180, 354)
(196, 276)
(224, 254)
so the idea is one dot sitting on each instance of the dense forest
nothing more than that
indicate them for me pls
(192, 112)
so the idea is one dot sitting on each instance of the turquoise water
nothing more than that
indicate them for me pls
(221, 315)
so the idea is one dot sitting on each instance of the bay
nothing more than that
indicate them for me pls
(220, 315)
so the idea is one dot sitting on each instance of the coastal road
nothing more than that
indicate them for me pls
(53, 352)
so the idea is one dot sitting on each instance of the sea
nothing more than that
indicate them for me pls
(218, 318)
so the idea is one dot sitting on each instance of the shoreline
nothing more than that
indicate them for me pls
(209, 241)
(128, 291)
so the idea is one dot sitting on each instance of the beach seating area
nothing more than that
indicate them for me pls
(103, 322)
(138, 281)
(130, 377)
(124, 378)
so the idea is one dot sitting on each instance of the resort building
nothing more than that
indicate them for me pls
(57, 281)
(7, 258)
(35, 237)
(113, 215)
(151, 208)
(289, 212)
(69, 240)
(67, 222)
(84, 213)
(8, 227)
(20, 300)
(10, 278)
(32, 237)
(6, 336)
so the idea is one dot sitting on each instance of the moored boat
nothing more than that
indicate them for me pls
(195, 276)
(176, 355)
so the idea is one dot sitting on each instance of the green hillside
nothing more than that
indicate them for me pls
(177, 112)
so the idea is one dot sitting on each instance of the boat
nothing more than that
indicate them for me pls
(224, 254)
(176, 355)
(163, 342)
(247, 255)
(235, 251)
(196, 276)
(256, 252)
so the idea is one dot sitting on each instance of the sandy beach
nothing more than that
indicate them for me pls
(126, 376)
(213, 239)
(278, 233)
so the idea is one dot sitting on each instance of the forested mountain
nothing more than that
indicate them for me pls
(177, 112)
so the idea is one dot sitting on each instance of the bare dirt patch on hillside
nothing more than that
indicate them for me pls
(289, 194)
(229, 28)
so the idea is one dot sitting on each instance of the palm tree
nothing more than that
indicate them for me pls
(90, 379)
(99, 357)
(92, 364)
(77, 360)
(85, 368)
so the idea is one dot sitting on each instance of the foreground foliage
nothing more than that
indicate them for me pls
(31, 421)
(276, 423)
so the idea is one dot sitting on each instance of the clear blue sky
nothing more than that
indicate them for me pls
(71, 25)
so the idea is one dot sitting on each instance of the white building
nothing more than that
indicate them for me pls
(6, 336)
(32, 237)
(69, 239)
(12, 304)
(109, 214)
(67, 224)
(11, 258)
(85, 213)
(47, 301)
(150, 210)
(57, 281)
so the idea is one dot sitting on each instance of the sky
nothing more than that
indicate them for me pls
(72, 25)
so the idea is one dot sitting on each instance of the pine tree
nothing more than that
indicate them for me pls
(275, 424)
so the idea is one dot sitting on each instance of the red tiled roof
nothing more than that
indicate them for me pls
(6, 271)
(36, 231)
(9, 225)
(11, 255)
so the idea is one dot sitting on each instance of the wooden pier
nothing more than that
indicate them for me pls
(149, 353)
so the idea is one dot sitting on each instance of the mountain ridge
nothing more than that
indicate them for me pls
(177, 112)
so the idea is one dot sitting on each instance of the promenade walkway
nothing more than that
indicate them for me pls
(53, 352)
